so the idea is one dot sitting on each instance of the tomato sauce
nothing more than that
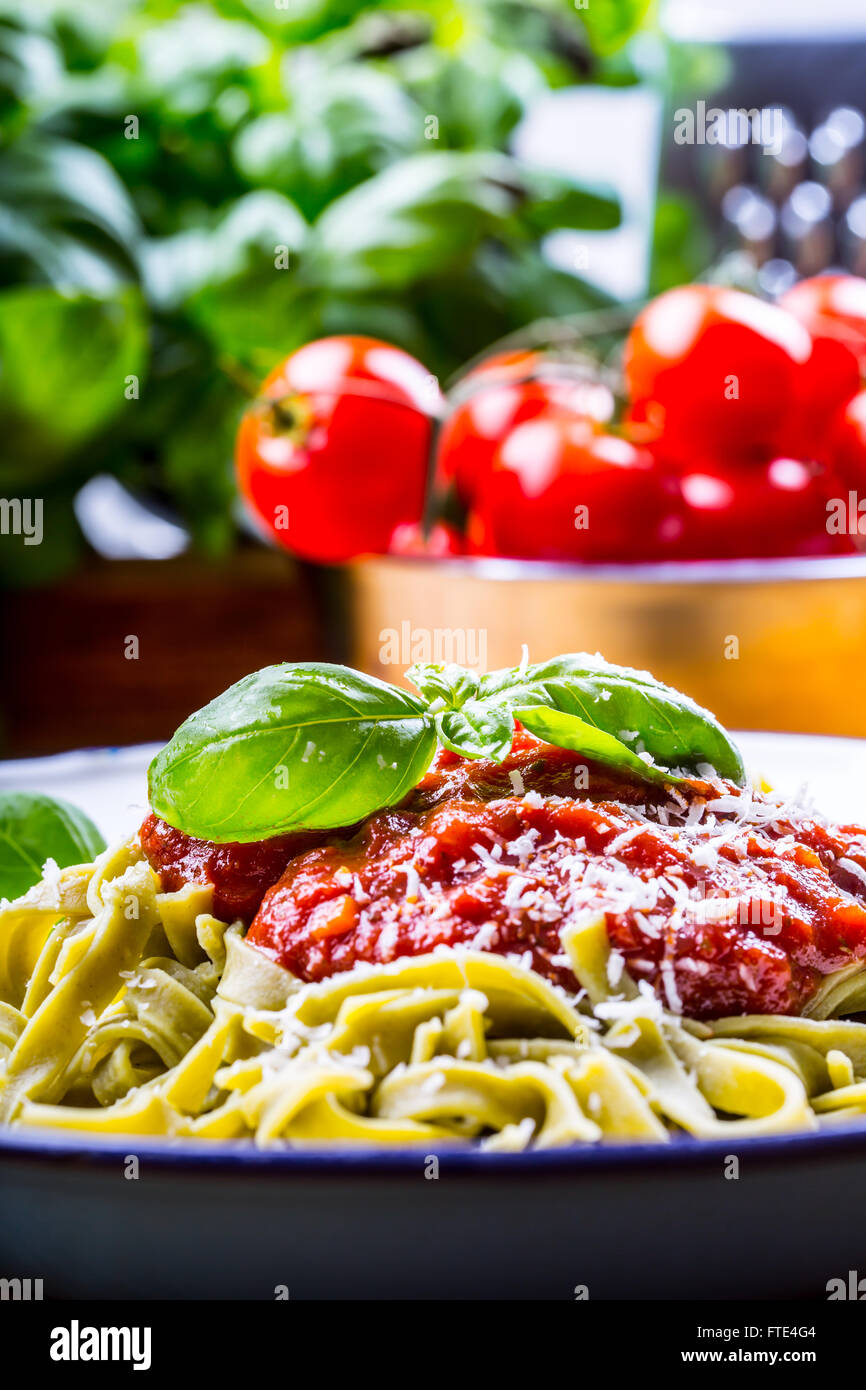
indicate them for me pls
(240, 874)
(726, 901)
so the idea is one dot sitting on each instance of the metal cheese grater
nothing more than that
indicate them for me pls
(783, 176)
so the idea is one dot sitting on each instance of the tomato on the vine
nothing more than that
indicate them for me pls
(833, 309)
(333, 455)
(501, 392)
(561, 488)
(707, 365)
(753, 509)
(831, 306)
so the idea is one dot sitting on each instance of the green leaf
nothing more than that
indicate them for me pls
(257, 318)
(479, 93)
(63, 364)
(640, 712)
(315, 746)
(66, 214)
(421, 216)
(242, 243)
(342, 125)
(302, 20)
(681, 242)
(228, 281)
(195, 51)
(477, 730)
(610, 23)
(465, 725)
(308, 745)
(568, 731)
(554, 202)
(428, 214)
(446, 682)
(33, 828)
(500, 290)
(611, 713)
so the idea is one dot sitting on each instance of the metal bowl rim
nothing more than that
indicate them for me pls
(683, 572)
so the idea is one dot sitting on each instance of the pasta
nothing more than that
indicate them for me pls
(125, 1009)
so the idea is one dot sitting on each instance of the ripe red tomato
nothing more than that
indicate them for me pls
(833, 306)
(754, 509)
(706, 365)
(560, 488)
(333, 455)
(848, 445)
(833, 309)
(499, 396)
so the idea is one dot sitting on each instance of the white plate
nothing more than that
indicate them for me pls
(110, 784)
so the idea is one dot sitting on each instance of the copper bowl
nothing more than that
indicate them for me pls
(769, 644)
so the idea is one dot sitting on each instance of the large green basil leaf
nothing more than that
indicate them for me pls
(308, 745)
(35, 827)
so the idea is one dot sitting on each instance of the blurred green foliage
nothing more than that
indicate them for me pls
(190, 191)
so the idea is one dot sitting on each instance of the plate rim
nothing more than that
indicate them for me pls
(204, 1156)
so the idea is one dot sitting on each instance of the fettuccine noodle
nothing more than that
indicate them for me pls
(128, 1010)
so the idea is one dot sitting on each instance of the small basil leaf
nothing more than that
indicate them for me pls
(451, 683)
(477, 730)
(33, 828)
(639, 711)
(568, 731)
(309, 746)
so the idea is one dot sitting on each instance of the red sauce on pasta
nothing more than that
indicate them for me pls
(724, 900)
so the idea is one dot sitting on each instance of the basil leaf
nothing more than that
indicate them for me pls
(33, 828)
(568, 731)
(450, 682)
(308, 746)
(477, 730)
(641, 713)
(467, 726)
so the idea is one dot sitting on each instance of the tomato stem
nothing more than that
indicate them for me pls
(239, 374)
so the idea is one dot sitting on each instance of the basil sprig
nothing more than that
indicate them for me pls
(35, 827)
(611, 713)
(315, 746)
